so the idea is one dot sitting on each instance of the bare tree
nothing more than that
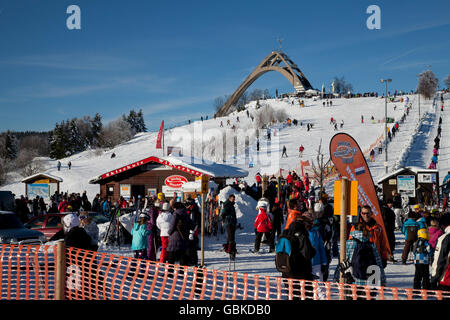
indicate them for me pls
(266, 115)
(320, 167)
(218, 103)
(255, 94)
(447, 82)
(115, 132)
(342, 86)
(428, 84)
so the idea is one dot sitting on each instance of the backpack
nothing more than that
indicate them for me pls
(282, 255)
(363, 257)
(411, 233)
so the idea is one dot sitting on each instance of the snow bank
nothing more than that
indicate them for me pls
(245, 206)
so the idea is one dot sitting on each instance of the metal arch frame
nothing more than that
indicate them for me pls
(270, 63)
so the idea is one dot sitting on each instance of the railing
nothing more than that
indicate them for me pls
(31, 273)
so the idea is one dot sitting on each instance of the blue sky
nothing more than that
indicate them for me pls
(172, 58)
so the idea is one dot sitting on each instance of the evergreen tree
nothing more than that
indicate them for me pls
(10, 146)
(141, 122)
(76, 142)
(96, 129)
(136, 121)
(56, 142)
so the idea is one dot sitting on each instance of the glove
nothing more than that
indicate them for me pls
(345, 267)
(346, 272)
(191, 235)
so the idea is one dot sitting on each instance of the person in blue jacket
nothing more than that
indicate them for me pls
(140, 235)
(409, 229)
(319, 261)
(447, 178)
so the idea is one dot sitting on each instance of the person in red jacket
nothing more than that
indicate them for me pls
(122, 203)
(306, 182)
(290, 178)
(258, 179)
(263, 225)
(62, 207)
(300, 151)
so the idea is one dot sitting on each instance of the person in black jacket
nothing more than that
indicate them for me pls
(278, 219)
(73, 234)
(179, 231)
(302, 252)
(229, 221)
(389, 225)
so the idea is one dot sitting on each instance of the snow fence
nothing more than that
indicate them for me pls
(31, 273)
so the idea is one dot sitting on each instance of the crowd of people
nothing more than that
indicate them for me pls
(59, 202)
(391, 130)
(313, 231)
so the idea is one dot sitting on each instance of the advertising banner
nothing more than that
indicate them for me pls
(38, 189)
(160, 136)
(350, 162)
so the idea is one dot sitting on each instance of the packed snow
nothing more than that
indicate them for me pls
(412, 145)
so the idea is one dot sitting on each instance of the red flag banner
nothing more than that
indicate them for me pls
(159, 138)
(350, 162)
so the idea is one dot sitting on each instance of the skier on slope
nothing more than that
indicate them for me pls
(284, 152)
(300, 150)
(372, 155)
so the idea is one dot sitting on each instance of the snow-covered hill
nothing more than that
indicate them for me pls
(412, 145)
(192, 137)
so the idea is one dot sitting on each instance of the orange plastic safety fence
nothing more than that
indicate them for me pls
(28, 273)
(92, 275)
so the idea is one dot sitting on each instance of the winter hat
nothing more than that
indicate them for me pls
(161, 196)
(144, 215)
(318, 207)
(423, 233)
(165, 206)
(71, 221)
(263, 202)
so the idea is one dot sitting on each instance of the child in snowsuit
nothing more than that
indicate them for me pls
(140, 234)
(422, 257)
(372, 155)
(263, 225)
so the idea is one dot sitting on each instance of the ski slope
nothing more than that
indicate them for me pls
(411, 146)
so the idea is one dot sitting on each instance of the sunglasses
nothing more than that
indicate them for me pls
(365, 213)
(83, 217)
